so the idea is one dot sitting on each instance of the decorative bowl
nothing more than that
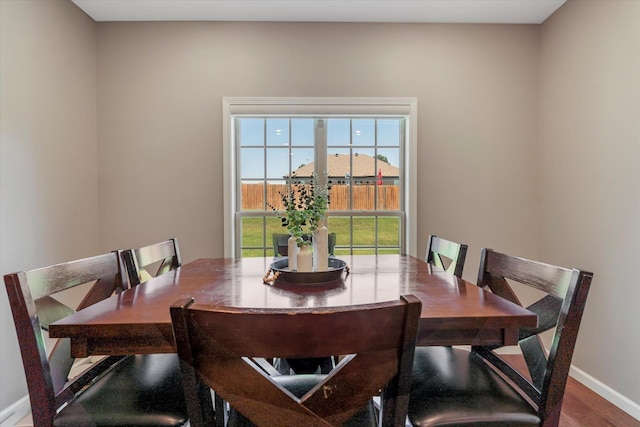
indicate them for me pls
(282, 274)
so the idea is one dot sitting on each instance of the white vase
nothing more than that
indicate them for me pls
(304, 259)
(292, 253)
(320, 248)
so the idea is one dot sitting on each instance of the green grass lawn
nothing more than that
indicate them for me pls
(256, 243)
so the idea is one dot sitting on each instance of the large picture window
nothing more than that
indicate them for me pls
(362, 156)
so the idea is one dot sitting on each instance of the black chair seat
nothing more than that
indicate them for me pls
(455, 387)
(299, 385)
(312, 365)
(141, 390)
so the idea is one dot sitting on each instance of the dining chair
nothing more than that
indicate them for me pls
(280, 244)
(445, 254)
(150, 261)
(157, 258)
(453, 386)
(216, 346)
(113, 391)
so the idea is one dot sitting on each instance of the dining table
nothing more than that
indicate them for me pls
(138, 321)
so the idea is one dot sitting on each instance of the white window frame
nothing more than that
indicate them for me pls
(406, 106)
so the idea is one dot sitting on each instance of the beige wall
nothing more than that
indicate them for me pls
(590, 175)
(160, 89)
(48, 150)
(528, 139)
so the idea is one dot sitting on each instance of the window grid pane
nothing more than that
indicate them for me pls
(363, 168)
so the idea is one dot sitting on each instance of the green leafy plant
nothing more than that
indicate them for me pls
(318, 203)
(305, 205)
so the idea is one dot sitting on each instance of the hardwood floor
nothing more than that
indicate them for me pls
(583, 407)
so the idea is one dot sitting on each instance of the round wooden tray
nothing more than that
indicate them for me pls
(281, 273)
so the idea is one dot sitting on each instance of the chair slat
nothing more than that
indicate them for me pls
(545, 277)
(548, 309)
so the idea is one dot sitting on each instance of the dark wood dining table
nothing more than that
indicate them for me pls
(136, 321)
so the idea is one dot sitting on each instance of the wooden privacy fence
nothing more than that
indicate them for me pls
(253, 197)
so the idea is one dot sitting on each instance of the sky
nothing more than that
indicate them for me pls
(289, 142)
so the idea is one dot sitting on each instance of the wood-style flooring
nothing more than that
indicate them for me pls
(583, 407)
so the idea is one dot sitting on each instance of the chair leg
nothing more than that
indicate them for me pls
(220, 410)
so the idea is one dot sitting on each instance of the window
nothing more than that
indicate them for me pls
(363, 148)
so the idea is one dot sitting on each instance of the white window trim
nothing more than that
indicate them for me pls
(407, 106)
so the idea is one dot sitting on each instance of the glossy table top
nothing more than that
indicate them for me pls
(138, 320)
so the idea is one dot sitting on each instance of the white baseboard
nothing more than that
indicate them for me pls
(15, 412)
(622, 402)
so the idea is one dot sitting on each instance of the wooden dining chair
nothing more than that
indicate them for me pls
(150, 261)
(446, 255)
(280, 244)
(216, 344)
(115, 390)
(454, 386)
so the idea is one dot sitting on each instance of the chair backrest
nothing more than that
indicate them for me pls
(280, 244)
(150, 261)
(331, 242)
(216, 344)
(41, 296)
(561, 307)
(280, 241)
(446, 255)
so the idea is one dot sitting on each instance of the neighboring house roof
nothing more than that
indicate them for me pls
(364, 166)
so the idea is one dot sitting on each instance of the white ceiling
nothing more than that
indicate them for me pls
(435, 11)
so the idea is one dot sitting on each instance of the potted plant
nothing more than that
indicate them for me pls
(304, 208)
